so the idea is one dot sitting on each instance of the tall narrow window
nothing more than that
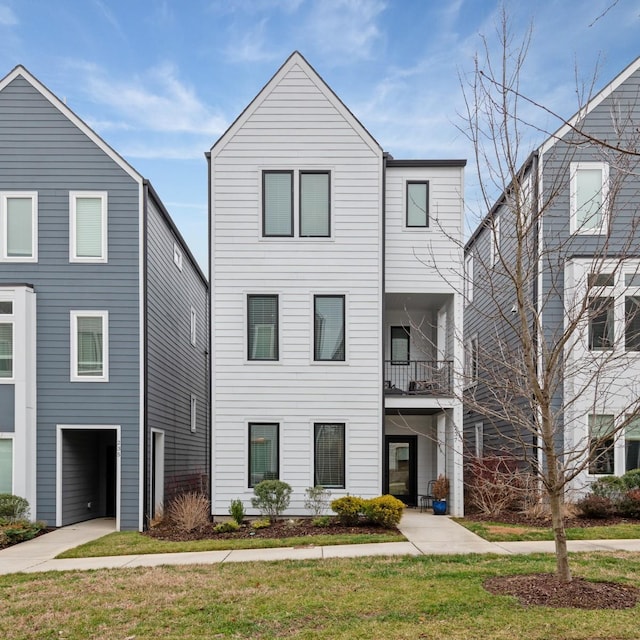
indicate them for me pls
(89, 338)
(263, 452)
(418, 204)
(262, 329)
(400, 349)
(6, 350)
(6, 465)
(471, 355)
(495, 241)
(589, 186)
(329, 326)
(314, 204)
(632, 445)
(632, 323)
(601, 323)
(193, 327)
(88, 227)
(329, 459)
(277, 203)
(193, 413)
(468, 278)
(19, 227)
(479, 429)
(601, 444)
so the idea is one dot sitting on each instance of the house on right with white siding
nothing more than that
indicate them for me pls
(336, 304)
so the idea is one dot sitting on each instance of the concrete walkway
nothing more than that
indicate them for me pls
(426, 535)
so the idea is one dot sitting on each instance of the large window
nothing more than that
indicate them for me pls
(601, 444)
(277, 203)
(263, 452)
(589, 185)
(90, 346)
(418, 204)
(400, 345)
(6, 465)
(632, 323)
(88, 225)
(601, 323)
(262, 321)
(329, 324)
(329, 447)
(314, 204)
(632, 445)
(19, 226)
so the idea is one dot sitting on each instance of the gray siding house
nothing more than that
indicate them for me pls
(578, 194)
(103, 325)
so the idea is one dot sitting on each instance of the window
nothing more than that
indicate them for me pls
(19, 226)
(277, 203)
(495, 241)
(90, 346)
(632, 445)
(6, 465)
(6, 350)
(314, 204)
(177, 256)
(88, 226)
(400, 350)
(479, 431)
(471, 361)
(263, 452)
(329, 456)
(328, 328)
(632, 323)
(193, 328)
(589, 186)
(600, 280)
(262, 312)
(193, 413)
(601, 445)
(600, 323)
(418, 204)
(468, 278)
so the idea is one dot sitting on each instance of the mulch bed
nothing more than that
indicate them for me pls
(522, 519)
(282, 529)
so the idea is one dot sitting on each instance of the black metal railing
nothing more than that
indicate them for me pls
(418, 377)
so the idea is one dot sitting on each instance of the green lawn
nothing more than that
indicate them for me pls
(123, 543)
(340, 599)
(501, 532)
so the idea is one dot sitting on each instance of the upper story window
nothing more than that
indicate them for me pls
(277, 203)
(495, 241)
(471, 360)
(89, 346)
(601, 323)
(262, 327)
(589, 191)
(400, 345)
(632, 323)
(417, 204)
(193, 327)
(193, 419)
(314, 204)
(19, 228)
(177, 256)
(329, 328)
(468, 278)
(88, 225)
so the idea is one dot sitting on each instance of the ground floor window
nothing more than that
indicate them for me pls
(329, 447)
(632, 445)
(601, 444)
(263, 452)
(6, 465)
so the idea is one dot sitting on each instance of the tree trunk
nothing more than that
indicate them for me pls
(559, 535)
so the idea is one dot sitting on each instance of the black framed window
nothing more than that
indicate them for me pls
(277, 203)
(262, 327)
(329, 459)
(400, 349)
(600, 323)
(632, 323)
(263, 452)
(418, 204)
(315, 189)
(601, 445)
(329, 328)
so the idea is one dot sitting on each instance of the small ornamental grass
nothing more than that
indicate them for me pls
(189, 511)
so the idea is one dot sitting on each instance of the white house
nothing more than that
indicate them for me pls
(335, 304)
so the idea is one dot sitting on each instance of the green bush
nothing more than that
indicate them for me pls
(322, 521)
(261, 524)
(596, 506)
(236, 511)
(348, 509)
(631, 479)
(611, 487)
(272, 498)
(226, 527)
(14, 531)
(317, 500)
(385, 511)
(630, 505)
(13, 507)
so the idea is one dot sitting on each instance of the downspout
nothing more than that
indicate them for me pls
(537, 271)
(145, 355)
(209, 359)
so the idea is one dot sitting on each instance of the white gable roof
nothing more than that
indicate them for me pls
(22, 72)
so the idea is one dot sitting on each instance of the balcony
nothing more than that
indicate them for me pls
(418, 377)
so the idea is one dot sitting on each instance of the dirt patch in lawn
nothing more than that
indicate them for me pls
(544, 589)
(524, 520)
(498, 530)
(298, 528)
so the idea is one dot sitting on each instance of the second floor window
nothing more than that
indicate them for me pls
(19, 226)
(314, 204)
(589, 187)
(632, 323)
(601, 313)
(262, 327)
(277, 203)
(88, 224)
(90, 346)
(329, 328)
(417, 204)
(400, 338)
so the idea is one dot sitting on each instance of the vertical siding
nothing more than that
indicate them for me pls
(41, 150)
(176, 368)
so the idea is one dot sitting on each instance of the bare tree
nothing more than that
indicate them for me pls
(550, 320)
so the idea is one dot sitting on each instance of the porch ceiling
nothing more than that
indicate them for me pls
(416, 301)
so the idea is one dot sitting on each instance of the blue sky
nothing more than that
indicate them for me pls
(161, 80)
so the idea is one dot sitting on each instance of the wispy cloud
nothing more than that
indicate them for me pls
(107, 14)
(251, 44)
(7, 17)
(252, 6)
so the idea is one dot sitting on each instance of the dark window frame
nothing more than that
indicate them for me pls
(426, 211)
(316, 480)
(407, 334)
(265, 173)
(601, 323)
(344, 328)
(312, 172)
(277, 471)
(252, 296)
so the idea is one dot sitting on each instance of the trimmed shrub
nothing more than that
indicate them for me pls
(272, 498)
(13, 507)
(611, 487)
(322, 521)
(629, 506)
(348, 509)
(226, 527)
(261, 524)
(595, 506)
(385, 511)
(631, 479)
(189, 511)
(236, 511)
(317, 500)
